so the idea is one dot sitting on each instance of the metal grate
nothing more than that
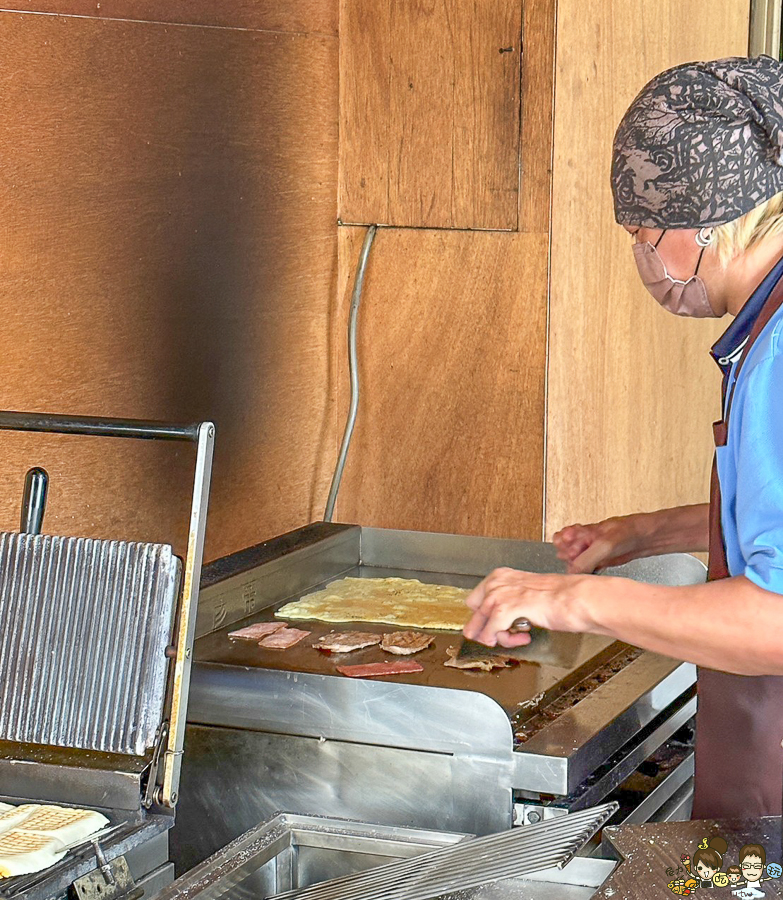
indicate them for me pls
(469, 864)
(85, 625)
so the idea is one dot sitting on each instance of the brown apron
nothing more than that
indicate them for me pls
(739, 722)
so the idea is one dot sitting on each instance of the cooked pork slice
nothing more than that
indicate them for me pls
(404, 643)
(256, 632)
(346, 641)
(283, 639)
(484, 663)
(376, 670)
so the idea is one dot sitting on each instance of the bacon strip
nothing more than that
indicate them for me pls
(375, 670)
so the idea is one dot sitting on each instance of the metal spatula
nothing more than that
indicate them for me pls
(475, 650)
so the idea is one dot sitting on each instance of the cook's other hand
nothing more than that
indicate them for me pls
(554, 602)
(589, 548)
(586, 548)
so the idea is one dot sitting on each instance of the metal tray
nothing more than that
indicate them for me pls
(296, 851)
(290, 851)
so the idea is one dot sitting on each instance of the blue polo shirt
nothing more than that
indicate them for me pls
(750, 466)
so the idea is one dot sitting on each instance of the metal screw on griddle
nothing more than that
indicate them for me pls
(103, 865)
(533, 817)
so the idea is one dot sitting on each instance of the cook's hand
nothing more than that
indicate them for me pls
(586, 548)
(548, 601)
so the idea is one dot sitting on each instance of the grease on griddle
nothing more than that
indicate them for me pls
(528, 721)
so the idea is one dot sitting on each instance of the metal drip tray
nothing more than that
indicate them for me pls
(579, 880)
(296, 852)
(290, 851)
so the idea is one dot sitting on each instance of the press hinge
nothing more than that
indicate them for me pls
(154, 792)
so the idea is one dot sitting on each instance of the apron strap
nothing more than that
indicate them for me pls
(718, 563)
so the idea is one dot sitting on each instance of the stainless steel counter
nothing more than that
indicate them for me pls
(647, 851)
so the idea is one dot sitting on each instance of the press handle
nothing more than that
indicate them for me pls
(36, 486)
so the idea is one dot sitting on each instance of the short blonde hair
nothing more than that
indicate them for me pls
(740, 235)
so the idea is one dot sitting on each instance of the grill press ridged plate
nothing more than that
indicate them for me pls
(85, 626)
(468, 864)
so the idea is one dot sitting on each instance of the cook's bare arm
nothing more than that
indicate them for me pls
(620, 539)
(693, 623)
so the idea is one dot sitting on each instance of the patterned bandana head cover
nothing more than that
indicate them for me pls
(701, 145)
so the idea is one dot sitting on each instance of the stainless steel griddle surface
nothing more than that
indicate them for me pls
(547, 668)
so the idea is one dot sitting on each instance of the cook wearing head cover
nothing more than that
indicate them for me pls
(697, 177)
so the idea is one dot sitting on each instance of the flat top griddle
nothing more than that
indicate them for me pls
(536, 677)
(387, 741)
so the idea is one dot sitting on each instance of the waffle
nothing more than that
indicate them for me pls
(34, 836)
(22, 853)
(14, 816)
(68, 826)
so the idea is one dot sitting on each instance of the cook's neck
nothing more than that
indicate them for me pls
(745, 273)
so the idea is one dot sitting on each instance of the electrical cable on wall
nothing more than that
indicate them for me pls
(353, 370)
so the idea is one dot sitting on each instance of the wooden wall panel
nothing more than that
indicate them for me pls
(632, 390)
(168, 251)
(537, 119)
(429, 106)
(307, 16)
(452, 355)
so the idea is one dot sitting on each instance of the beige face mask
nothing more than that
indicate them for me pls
(683, 298)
